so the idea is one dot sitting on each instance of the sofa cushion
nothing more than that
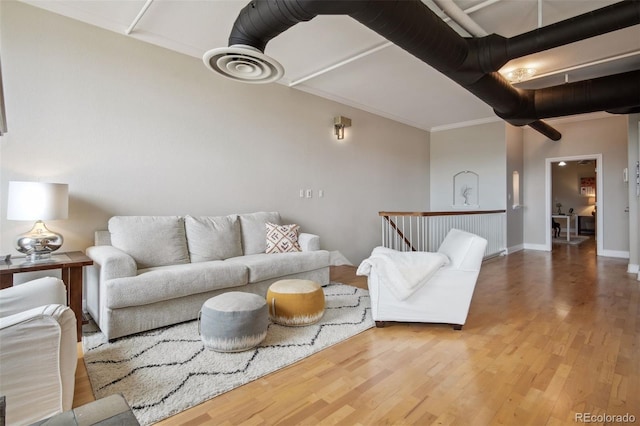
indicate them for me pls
(171, 282)
(213, 238)
(254, 230)
(282, 238)
(264, 266)
(150, 240)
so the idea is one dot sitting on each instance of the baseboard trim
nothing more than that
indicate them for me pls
(539, 247)
(615, 253)
(606, 253)
(514, 249)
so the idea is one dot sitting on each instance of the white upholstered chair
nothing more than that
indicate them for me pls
(38, 350)
(443, 297)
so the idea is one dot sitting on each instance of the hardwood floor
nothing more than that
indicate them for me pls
(550, 337)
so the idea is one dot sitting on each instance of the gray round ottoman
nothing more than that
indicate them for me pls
(233, 321)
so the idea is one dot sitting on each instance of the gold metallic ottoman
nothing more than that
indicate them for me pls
(295, 302)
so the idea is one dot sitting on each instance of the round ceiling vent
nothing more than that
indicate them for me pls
(243, 63)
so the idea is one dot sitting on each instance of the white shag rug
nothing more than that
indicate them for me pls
(165, 371)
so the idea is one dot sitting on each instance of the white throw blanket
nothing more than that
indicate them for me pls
(402, 272)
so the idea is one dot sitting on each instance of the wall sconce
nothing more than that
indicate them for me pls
(339, 123)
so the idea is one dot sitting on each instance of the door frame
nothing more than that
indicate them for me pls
(599, 205)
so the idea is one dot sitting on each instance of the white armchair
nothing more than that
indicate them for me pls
(444, 296)
(38, 350)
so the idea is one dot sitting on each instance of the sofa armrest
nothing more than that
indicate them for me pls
(42, 291)
(112, 262)
(38, 359)
(464, 249)
(309, 242)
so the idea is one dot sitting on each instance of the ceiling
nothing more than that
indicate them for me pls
(338, 58)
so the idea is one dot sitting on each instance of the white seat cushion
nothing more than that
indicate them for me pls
(265, 266)
(172, 282)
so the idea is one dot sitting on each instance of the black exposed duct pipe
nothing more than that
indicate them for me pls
(619, 91)
(546, 130)
(601, 21)
(472, 63)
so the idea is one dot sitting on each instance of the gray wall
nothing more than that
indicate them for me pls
(483, 148)
(480, 149)
(494, 151)
(135, 129)
(607, 136)
(634, 207)
(515, 163)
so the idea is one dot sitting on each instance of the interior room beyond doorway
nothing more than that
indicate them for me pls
(573, 200)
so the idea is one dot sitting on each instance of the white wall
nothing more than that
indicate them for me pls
(135, 129)
(481, 149)
(606, 136)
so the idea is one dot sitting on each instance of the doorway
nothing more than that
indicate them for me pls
(572, 186)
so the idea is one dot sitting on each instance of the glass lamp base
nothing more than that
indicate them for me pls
(37, 257)
(38, 243)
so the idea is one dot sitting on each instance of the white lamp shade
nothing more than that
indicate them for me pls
(37, 201)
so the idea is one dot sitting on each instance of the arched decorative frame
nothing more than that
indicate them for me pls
(466, 186)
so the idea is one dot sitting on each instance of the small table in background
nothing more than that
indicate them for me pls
(70, 263)
(568, 219)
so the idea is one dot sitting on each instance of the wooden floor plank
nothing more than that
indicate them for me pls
(549, 336)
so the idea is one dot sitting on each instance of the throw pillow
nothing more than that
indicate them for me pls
(282, 238)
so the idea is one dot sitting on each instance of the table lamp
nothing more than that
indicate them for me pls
(38, 201)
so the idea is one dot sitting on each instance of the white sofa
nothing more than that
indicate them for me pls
(153, 271)
(38, 350)
(441, 296)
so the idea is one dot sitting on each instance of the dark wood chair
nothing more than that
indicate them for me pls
(556, 228)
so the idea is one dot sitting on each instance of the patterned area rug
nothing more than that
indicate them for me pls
(165, 371)
(575, 240)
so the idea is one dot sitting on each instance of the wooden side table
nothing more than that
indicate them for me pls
(70, 263)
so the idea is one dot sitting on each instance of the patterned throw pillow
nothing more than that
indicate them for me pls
(282, 238)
